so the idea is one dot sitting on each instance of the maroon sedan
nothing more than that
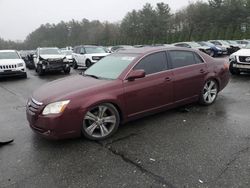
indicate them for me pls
(125, 86)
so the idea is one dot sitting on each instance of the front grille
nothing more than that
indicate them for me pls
(245, 59)
(7, 67)
(34, 106)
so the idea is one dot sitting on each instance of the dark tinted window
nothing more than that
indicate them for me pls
(198, 58)
(181, 45)
(78, 50)
(82, 50)
(153, 63)
(181, 58)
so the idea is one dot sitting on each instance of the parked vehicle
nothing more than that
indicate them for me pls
(234, 44)
(11, 64)
(87, 55)
(124, 86)
(68, 55)
(121, 47)
(50, 59)
(215, 50)
(230, 48)
(240, 61)
(243, 43)
(27, 56)
(194, 45)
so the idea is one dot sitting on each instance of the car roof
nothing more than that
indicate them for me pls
(145, 50)
(87, 46)
(7, 50)
(48, 48)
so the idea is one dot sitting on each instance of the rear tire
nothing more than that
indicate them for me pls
(212, 54)
(209, 92)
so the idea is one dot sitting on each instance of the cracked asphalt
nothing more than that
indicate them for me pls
(199, 147)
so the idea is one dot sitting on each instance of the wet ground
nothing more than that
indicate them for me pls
(202, 147)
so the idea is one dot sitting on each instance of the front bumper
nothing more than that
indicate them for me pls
(241, 66)
(10, 73)
(55, 127)
(53, 66)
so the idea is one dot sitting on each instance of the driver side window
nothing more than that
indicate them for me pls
(153, 63)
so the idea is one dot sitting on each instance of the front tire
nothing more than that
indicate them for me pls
(88, 63)
(40, 70)
(209, 92)
(233, 71)
(75, 66)
(67, 70)
(100, 122)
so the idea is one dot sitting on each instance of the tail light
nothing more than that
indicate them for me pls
(226, 66)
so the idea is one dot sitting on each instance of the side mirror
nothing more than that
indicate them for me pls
(135, 74)
(82, 53)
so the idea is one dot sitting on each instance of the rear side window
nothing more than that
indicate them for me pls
(153, 63)
(181, 58)
(198, 58)
(82, 50)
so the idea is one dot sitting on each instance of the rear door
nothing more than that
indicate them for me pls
(153, 91)
(189, 71)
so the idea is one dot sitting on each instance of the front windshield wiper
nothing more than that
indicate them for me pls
(90, 75)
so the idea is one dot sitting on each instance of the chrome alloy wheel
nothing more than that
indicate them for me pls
(210, 91)
(100, 121)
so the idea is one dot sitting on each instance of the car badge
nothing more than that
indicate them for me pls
(248, 59)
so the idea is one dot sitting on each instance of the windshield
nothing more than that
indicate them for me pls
(94, 50)
(223, 42)
(247, 46)
(49, 51)
(194, 44)
(9, 55)
(66, 52)
(232, 42)
(111, 66)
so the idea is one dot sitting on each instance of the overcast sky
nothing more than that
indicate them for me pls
(20, 17)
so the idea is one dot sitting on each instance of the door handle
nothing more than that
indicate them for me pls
(202, 71)
(168, 79)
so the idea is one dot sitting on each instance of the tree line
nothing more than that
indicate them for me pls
(215, 19)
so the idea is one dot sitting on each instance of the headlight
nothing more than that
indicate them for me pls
(20, 64)
(55, 108)
(218, 48)
(232, 58)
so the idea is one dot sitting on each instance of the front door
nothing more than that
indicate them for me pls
(153, 91)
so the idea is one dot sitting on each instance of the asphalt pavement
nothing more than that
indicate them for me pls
(195, 147)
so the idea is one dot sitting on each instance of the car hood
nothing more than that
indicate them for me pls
(67, 88)
(242, 52)
(55, 56)
(10, 61)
